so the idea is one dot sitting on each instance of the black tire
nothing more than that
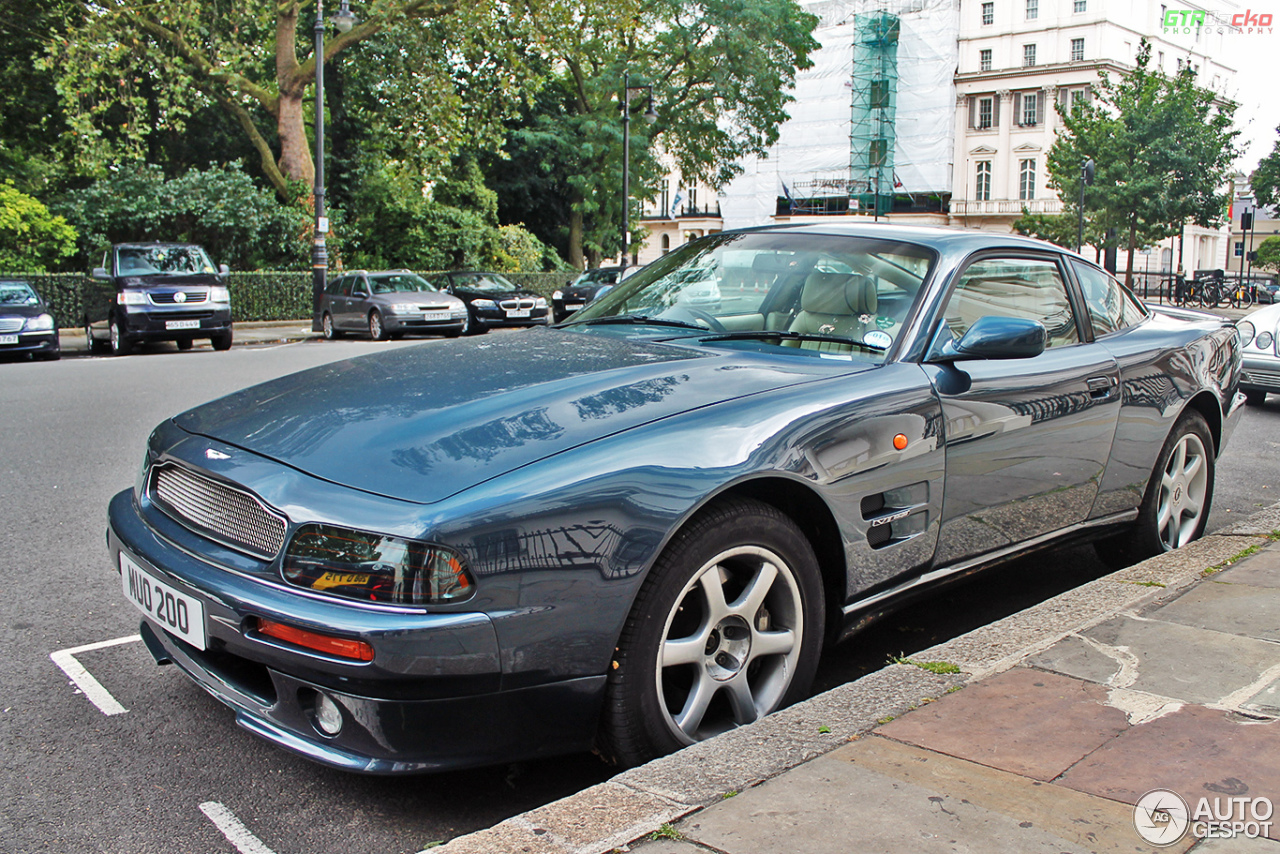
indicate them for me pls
(93, 344)
(326, 325)
(752, 658)
(1255, 398)
(473, 326)
(185, 343)
(51, 356)
(1175, 508)
(120, 344)
(222, 341)
(377, 331)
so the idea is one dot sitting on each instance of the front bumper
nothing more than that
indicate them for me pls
(39, 343)
(498, 317)
(155, 324)
(431, 700)
(1260, 373)
(408, 323)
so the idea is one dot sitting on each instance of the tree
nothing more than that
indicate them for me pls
(720, 72)
(31, 239)
(1061, 229)
(1163, 148)
(128, 69)
(1268, 254)
(1265, 180)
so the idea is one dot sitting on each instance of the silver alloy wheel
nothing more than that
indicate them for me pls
(327, 324)
(375, 326)
(736, 628)
(1184, 488)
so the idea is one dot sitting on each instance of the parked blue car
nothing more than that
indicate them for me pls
(638, 530)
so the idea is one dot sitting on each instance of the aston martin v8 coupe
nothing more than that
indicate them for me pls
(637, 530)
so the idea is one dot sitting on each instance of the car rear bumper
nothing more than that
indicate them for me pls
(431, 700)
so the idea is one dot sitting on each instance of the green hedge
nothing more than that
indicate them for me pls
(266, 295)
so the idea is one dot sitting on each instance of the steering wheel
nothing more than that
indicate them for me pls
(703, 317)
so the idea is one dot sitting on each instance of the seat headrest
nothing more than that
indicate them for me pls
(838, 293)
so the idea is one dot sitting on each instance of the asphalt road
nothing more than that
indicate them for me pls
(172, 772)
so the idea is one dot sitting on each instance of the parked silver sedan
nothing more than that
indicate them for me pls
(389, 304)
(1260, 350)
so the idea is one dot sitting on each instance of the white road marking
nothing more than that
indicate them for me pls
(237, 834)
(90, 687)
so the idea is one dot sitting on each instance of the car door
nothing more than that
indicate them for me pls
(1027, 439)
(354, 294)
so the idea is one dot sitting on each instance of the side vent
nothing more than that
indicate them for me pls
(895, 515)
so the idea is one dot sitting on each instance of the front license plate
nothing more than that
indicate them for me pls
(518, 312)
(8, 339)
(436, 315)
(176, 612)
(572, 306)
(182, 324)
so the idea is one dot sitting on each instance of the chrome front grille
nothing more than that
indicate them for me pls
(11, 324)
(191, 297)
(231, 516)
(1262, 377)
(510, 304)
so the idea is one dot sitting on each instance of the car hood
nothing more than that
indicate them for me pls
(426, 422)
(22, 310)
(170, 280)
(419, 298)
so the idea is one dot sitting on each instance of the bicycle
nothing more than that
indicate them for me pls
(1242, 296)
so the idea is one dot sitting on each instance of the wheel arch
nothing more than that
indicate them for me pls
(1207, 405)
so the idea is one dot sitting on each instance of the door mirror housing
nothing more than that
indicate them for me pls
(995, 338)
(100, 273)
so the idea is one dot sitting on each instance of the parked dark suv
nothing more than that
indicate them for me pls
(157, 292)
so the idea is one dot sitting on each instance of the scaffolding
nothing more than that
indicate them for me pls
(872, 136)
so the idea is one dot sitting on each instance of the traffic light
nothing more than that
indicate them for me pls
(1246, 220)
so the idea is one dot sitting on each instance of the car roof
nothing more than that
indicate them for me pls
(938, 237)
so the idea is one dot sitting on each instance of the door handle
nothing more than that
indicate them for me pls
(1099, 387)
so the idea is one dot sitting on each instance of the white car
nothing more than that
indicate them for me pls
(1260, 349)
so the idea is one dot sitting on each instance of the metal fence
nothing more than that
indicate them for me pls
(264, 295)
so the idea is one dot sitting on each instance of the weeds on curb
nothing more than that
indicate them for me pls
(1226, 564)
(1145, 583)
(936, 667)
(666, 832)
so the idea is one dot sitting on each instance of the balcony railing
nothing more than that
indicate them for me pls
(1004, 207)
(686, 212)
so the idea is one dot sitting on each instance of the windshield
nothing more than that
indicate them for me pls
(821, 293)
(399, 283)
(490, 283)
(153, 260)
(17, 293)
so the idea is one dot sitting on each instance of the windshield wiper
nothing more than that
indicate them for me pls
(782, 335)
(642, 320)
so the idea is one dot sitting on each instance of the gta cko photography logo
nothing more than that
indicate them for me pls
(1162, 817)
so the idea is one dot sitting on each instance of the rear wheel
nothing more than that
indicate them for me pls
(727, 628)
(376, 330)
(1175, 508)
(330, 331)
(120, 344)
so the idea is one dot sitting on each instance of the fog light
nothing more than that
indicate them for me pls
(328, 715)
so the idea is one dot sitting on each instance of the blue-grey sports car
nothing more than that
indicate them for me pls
(637, 529)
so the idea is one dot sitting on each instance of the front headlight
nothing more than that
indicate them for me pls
(219, 294)
(402, 308)
(1246, 332)
(1264, 340)
(558, 295)
(458, 312)
(40, 323)
(130, 298)
(540, 303)
(484, 303)
(375, 567)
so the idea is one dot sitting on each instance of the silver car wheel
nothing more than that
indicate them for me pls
(1184, 487)
(735, 628)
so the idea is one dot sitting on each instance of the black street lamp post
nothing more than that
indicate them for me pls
(649, 116)
(344, 20)
(1086, 177)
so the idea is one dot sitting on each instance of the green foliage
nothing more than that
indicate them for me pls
(1162, 148)
(31, 239)
(220, 208)
(1055, 228)
(1269, 254)
(1265, 180)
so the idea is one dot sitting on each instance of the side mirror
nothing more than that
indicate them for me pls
(996, 338)
(223, 270)
(100, 273)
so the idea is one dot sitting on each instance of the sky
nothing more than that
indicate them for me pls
(1257, 62)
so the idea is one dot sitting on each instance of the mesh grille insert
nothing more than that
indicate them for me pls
(231, 516)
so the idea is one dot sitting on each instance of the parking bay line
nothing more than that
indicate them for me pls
(232, 828)
(90, 687)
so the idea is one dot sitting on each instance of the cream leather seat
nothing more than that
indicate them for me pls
(834, 304)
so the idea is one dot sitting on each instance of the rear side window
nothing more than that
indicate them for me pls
(1024, 288)
(334, 288)
(1111, 306)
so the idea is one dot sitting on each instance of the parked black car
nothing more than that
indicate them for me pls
(583, 290)
(157, 292)
(26, 326)
(492, 300)
(389, 304)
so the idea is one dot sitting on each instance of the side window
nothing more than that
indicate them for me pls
(359, 286)
(1013, 287)
(1111, 307)
(334, 288)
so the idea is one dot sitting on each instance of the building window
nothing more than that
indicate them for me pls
(982, 186)
(1028, 55)
(988, 13)
(1027, 179)
(691, 206)
(1079, 96)
(1030, 109)
(1081, 5)
(666, 243)
(665, 210)
(986, 108)
(1077, 50)
(1033, 9)
(984, 59)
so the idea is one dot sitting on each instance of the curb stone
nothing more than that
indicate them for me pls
(639, 801)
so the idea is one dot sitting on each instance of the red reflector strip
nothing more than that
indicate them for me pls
(341, 647)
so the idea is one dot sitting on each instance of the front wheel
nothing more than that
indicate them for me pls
(1255, 397)
(727, 628)
(377, 331)
(120, 344)
(221, 341)
(1175, 508)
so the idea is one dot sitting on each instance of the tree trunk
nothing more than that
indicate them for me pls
(296, 161)
(575, 235)
(1133, 241)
